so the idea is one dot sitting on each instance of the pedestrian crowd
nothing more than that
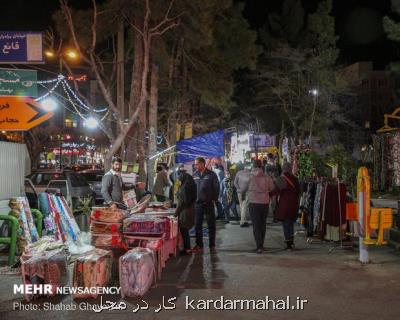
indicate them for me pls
(212, 194)
(258, 189)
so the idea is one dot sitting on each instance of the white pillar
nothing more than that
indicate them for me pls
(364, 258)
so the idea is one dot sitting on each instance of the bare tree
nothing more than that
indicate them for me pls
(147, 34)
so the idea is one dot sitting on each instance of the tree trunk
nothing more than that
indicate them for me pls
(153, 109)
(136, 82)
(120, 71)
(142, 100)
(141, 142)
(280, 143)
(142, 123)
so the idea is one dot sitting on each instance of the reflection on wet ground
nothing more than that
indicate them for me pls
(312, 271)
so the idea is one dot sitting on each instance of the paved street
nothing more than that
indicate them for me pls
(335, 284)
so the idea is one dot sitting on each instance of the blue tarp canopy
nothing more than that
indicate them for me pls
(206, 145)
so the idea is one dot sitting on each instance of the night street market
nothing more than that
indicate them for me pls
(192, 159)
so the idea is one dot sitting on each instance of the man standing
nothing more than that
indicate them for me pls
(241, 183)
(219, 171)
(186, 196)
(111, 184)
(161, 183)
(207, 194)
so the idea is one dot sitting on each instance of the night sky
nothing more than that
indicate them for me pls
(358, 23)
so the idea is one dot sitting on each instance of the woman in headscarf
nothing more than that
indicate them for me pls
(288, 191)
(186, 196)
(258, 193)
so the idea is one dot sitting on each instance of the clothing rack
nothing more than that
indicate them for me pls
(310, 239)
(341, 246)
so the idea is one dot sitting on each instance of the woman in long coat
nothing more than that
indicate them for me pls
(288, 191)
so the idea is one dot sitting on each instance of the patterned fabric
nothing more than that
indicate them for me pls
(137, 272)
(107, 241)
(317, 205)
(26, 232)
(145, 225)
(106, 214)
(130, 198)
(379, 179)
(92, 270)
(105, 227)
(47, 267)
(395, 154)
(386, 161)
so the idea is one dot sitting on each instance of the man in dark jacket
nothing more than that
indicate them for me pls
(112, 185)
(161, 183)
(207, 194)
(288, 190)
(186, 196)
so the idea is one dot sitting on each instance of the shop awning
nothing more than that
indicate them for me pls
(206, 145)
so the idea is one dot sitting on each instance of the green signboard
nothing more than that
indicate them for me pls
(17, 82)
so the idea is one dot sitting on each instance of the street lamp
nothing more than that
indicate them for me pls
(49, 54)
(49, 104)
(91, 123)
(71, 54)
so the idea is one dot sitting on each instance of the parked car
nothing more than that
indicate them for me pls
(74, 186)
(73, 195)
(94, 177)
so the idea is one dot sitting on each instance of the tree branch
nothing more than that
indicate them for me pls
(171, 3)
(106, 93)
(94, 25)
(133, 25)
(159, 33)
(68, 17)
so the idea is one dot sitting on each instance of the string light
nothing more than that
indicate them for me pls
(59, 77)
(67, 88)
(49, 92)
(71, 102)
(76, 97)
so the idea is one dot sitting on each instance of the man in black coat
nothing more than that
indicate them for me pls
(207, 194)
(186, 196)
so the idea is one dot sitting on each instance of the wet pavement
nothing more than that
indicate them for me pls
(330, 278)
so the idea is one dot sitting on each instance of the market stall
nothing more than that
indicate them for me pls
(386, 161)
(131, 246)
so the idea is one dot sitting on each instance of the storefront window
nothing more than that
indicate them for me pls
(71, 123)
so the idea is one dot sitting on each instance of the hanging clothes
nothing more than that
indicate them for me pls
(317, 206)
(395, 155)
(335, 213)
(311, 191)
